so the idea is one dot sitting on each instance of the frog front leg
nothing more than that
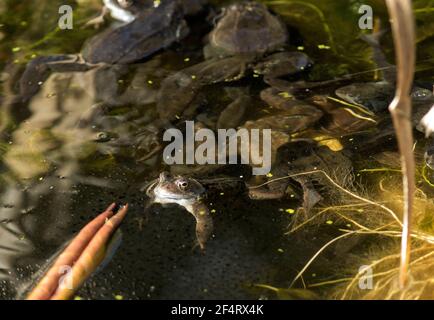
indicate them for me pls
(204, 222)
(275, 187)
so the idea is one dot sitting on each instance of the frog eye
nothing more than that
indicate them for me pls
(182, 184)
(125, 3)
(102, 136)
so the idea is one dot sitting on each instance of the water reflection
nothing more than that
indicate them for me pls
(74, 117)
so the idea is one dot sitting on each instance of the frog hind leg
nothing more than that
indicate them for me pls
(265, 194)
(232, 115)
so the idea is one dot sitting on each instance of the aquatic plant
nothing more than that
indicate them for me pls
(400, 109)
(82, 256)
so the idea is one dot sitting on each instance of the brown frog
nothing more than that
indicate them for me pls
(247, 36)
(151, 30)
(283, 123)
(187, 193)
(293, 116)
(305, 164)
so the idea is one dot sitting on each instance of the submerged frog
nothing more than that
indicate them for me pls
(292, 116)
(152, 30)
(376, 96)
(225, 111)
(284, 120)
(364, 105)
(296, 148)
(305, 164)
(247, 36)
(187, 193)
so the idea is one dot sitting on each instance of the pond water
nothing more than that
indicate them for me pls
(84, 139)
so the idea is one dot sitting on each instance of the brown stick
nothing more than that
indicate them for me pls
(45, 288)
(400, 108)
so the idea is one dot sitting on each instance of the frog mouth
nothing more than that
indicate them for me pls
(175, 197)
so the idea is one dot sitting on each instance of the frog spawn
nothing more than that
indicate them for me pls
(157, 262)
